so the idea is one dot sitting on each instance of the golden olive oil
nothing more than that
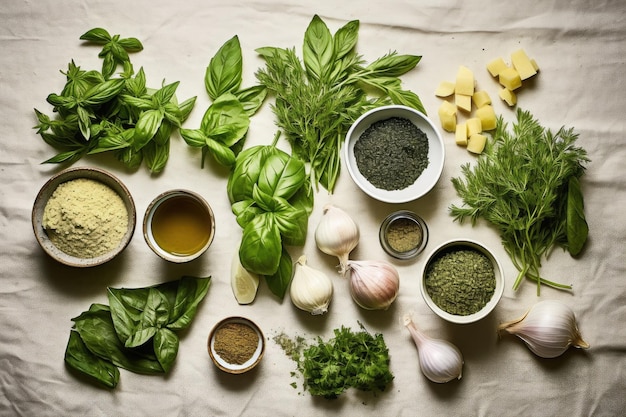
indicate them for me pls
(181, 226)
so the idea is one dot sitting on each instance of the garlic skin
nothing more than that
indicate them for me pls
(374, 285)
(310, 290)
(337, 234)
(548, 328)
(440, 361)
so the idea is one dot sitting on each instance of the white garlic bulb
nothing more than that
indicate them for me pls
(548, 328)
(374, 285)
(311, 290)
(337, 234)
(440, 361)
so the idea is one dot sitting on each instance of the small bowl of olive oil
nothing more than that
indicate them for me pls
(179, 225)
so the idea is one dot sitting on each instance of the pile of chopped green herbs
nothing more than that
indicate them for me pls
(137, 331)
(348, 360)
(319, 97)
(526, 184)
(98, 111)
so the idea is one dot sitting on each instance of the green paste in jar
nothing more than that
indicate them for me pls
(460, 281)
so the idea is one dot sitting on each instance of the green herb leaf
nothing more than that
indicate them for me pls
(261, 245)
(224, 72)
(146, 127)
(577, 228)
(317, 50)
(166, 347)
(78, 357)
(97, 35)
(278, 282)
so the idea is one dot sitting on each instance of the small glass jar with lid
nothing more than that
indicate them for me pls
(403, 234)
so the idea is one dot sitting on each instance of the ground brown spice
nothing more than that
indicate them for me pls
(235, 342)
(404, 235)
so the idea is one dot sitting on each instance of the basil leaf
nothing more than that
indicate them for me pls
(113, 141)
(577, 227)
(260, 248)
(186, 107)
(317, 51)
(304, 198)
(292, 223)
(97, 35)
(281, 175)
(247, 170)
(224, 72)
(131, 44)
(227, 117)
(101, 93)
(393, 65)
(263, 200)
(146, 127)
(270, 52)
(345, 39)
(252, 98)
(78, 357)
(406, 98)
(155, 314)
(165, 94)
(84, 121)
(190, 292)
(278, 283)
(222, 154)
(166, 347)
(245, 211)
(196, 138)
(69, 156)
(96, 329)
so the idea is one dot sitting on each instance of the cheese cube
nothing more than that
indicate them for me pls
(535, 66)
(481, 98)
(476, 143)
(508, 96)
(463, 102)
(445, 89)
(496, 66)
(510, 78)
(487, 116)
(447, 116)
(474, 125)
(522, 63)
(464, 81)
(460, 135)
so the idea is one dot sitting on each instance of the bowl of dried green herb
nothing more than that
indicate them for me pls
(462, 281)
(236, 345)
(394, 153)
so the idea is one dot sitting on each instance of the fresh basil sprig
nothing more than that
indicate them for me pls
(97, 112)
(136, 331)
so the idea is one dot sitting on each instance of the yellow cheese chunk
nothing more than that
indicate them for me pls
(476, 143)
(487, 116)
(510, 78)
(464, 81)
(445, 89)
(460, 135)
(496, 66)
(535, 66)
(474, 125)
(522, 63)
(508, 96)
(481, 98)
(463, 102)
(447, 116)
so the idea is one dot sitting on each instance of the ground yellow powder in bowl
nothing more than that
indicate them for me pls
(85, 218)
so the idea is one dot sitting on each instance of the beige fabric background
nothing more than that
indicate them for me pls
(580, 47)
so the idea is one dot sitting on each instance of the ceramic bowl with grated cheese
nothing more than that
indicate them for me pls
(83, 217)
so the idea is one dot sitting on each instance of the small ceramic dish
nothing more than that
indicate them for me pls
(403, 234)
(46, 192)
(462, 244)
(179, 225)
(232, 347)
(426, 180)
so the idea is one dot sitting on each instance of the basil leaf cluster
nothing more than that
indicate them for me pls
(97, 112)
(136, 331)
(271, 197)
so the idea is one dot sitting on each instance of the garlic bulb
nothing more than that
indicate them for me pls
(440, 361)
(374, 285)
(337, 235)
(311, 290)
(548, 328)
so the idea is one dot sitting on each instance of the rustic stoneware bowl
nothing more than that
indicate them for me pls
(46, 192)
(235, 368)
(491, 304)
(149, 216)
(436, 154)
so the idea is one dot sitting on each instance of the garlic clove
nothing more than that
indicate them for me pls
(337, 234)
(311, 290)
(243, 282)
(548, 328)
(374, 285)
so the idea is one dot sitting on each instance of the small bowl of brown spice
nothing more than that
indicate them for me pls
(83, 217)
(236, 345)
(403, 234)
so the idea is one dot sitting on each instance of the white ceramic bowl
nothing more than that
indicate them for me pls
(208, 224)
(436, 154)
(236, 368)
(491, 304)
(46, 192)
